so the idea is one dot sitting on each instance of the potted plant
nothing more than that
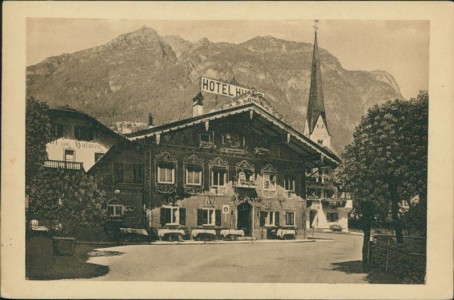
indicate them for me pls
(66, 202)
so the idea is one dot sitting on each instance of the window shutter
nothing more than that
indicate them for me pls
(199, 217)
(218, 217)
(182, 216)
(276, 222)
(262, 218)
(163, 216)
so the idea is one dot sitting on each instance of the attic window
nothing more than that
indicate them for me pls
(206, 139)
(320, 142)
(57, 130)
(84, 133)
(233, 140)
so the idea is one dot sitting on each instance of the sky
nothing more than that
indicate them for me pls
(398, 47)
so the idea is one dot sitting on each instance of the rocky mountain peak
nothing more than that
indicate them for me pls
(140, 72)
(143, 35)
(202, 42)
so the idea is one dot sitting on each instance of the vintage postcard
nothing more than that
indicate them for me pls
(227, 150)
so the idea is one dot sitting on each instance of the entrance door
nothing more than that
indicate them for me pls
(245, 218)
(312, 215)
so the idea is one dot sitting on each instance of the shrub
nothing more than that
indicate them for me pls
(66, 201)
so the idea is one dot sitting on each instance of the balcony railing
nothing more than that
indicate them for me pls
(324, 179)
(67, 165)
(248, 184)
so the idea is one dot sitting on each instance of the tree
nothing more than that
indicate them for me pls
(38, 134)
(387, 160)
(66, 201)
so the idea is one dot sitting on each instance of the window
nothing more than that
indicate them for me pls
(98, 156)
(232, 140)
(206, 139)
(209, 217)
(246, 177)
(329, 193)
(114, 208)
(269, 218)
(320, 142)
(332, 217)
(218, 177)
(166, 173)
(186, 138)
(70, 155)
(194, 175)
(137, 173)
(173, 216)
(289, 218)
(313, 192)
(57, 130)
(289, 183)
(269, 182)
(118, 173)
(84, 133)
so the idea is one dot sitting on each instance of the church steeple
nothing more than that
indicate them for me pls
(316, 115)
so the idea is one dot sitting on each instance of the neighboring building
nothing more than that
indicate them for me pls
(80, 140)
(127, 127)
(325, 207)
(239, 170)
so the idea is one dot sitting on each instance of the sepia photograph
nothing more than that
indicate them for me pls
(226, 151)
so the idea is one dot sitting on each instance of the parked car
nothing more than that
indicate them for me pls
(336, 228)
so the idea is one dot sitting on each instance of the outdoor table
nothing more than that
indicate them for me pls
(232, 233)
(196, 232)
(285, 232)
(134, 231)
(163, 232)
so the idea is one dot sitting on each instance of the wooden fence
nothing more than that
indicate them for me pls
(407, 260)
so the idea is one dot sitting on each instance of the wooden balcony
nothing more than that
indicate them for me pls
(67, 165)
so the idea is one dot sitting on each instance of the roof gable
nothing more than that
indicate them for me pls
(294, 138)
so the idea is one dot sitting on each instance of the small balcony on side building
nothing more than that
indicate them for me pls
(61, 164)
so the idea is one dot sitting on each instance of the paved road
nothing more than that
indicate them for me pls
(323, 261)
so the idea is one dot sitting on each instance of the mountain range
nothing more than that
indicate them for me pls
(142, 72)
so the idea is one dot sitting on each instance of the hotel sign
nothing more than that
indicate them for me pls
(222, 88)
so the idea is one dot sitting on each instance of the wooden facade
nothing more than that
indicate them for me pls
(239, 169)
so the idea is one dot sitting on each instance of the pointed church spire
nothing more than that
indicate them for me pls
(316, 106)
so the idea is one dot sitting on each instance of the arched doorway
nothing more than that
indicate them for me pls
(245, 218)
(312, 215)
